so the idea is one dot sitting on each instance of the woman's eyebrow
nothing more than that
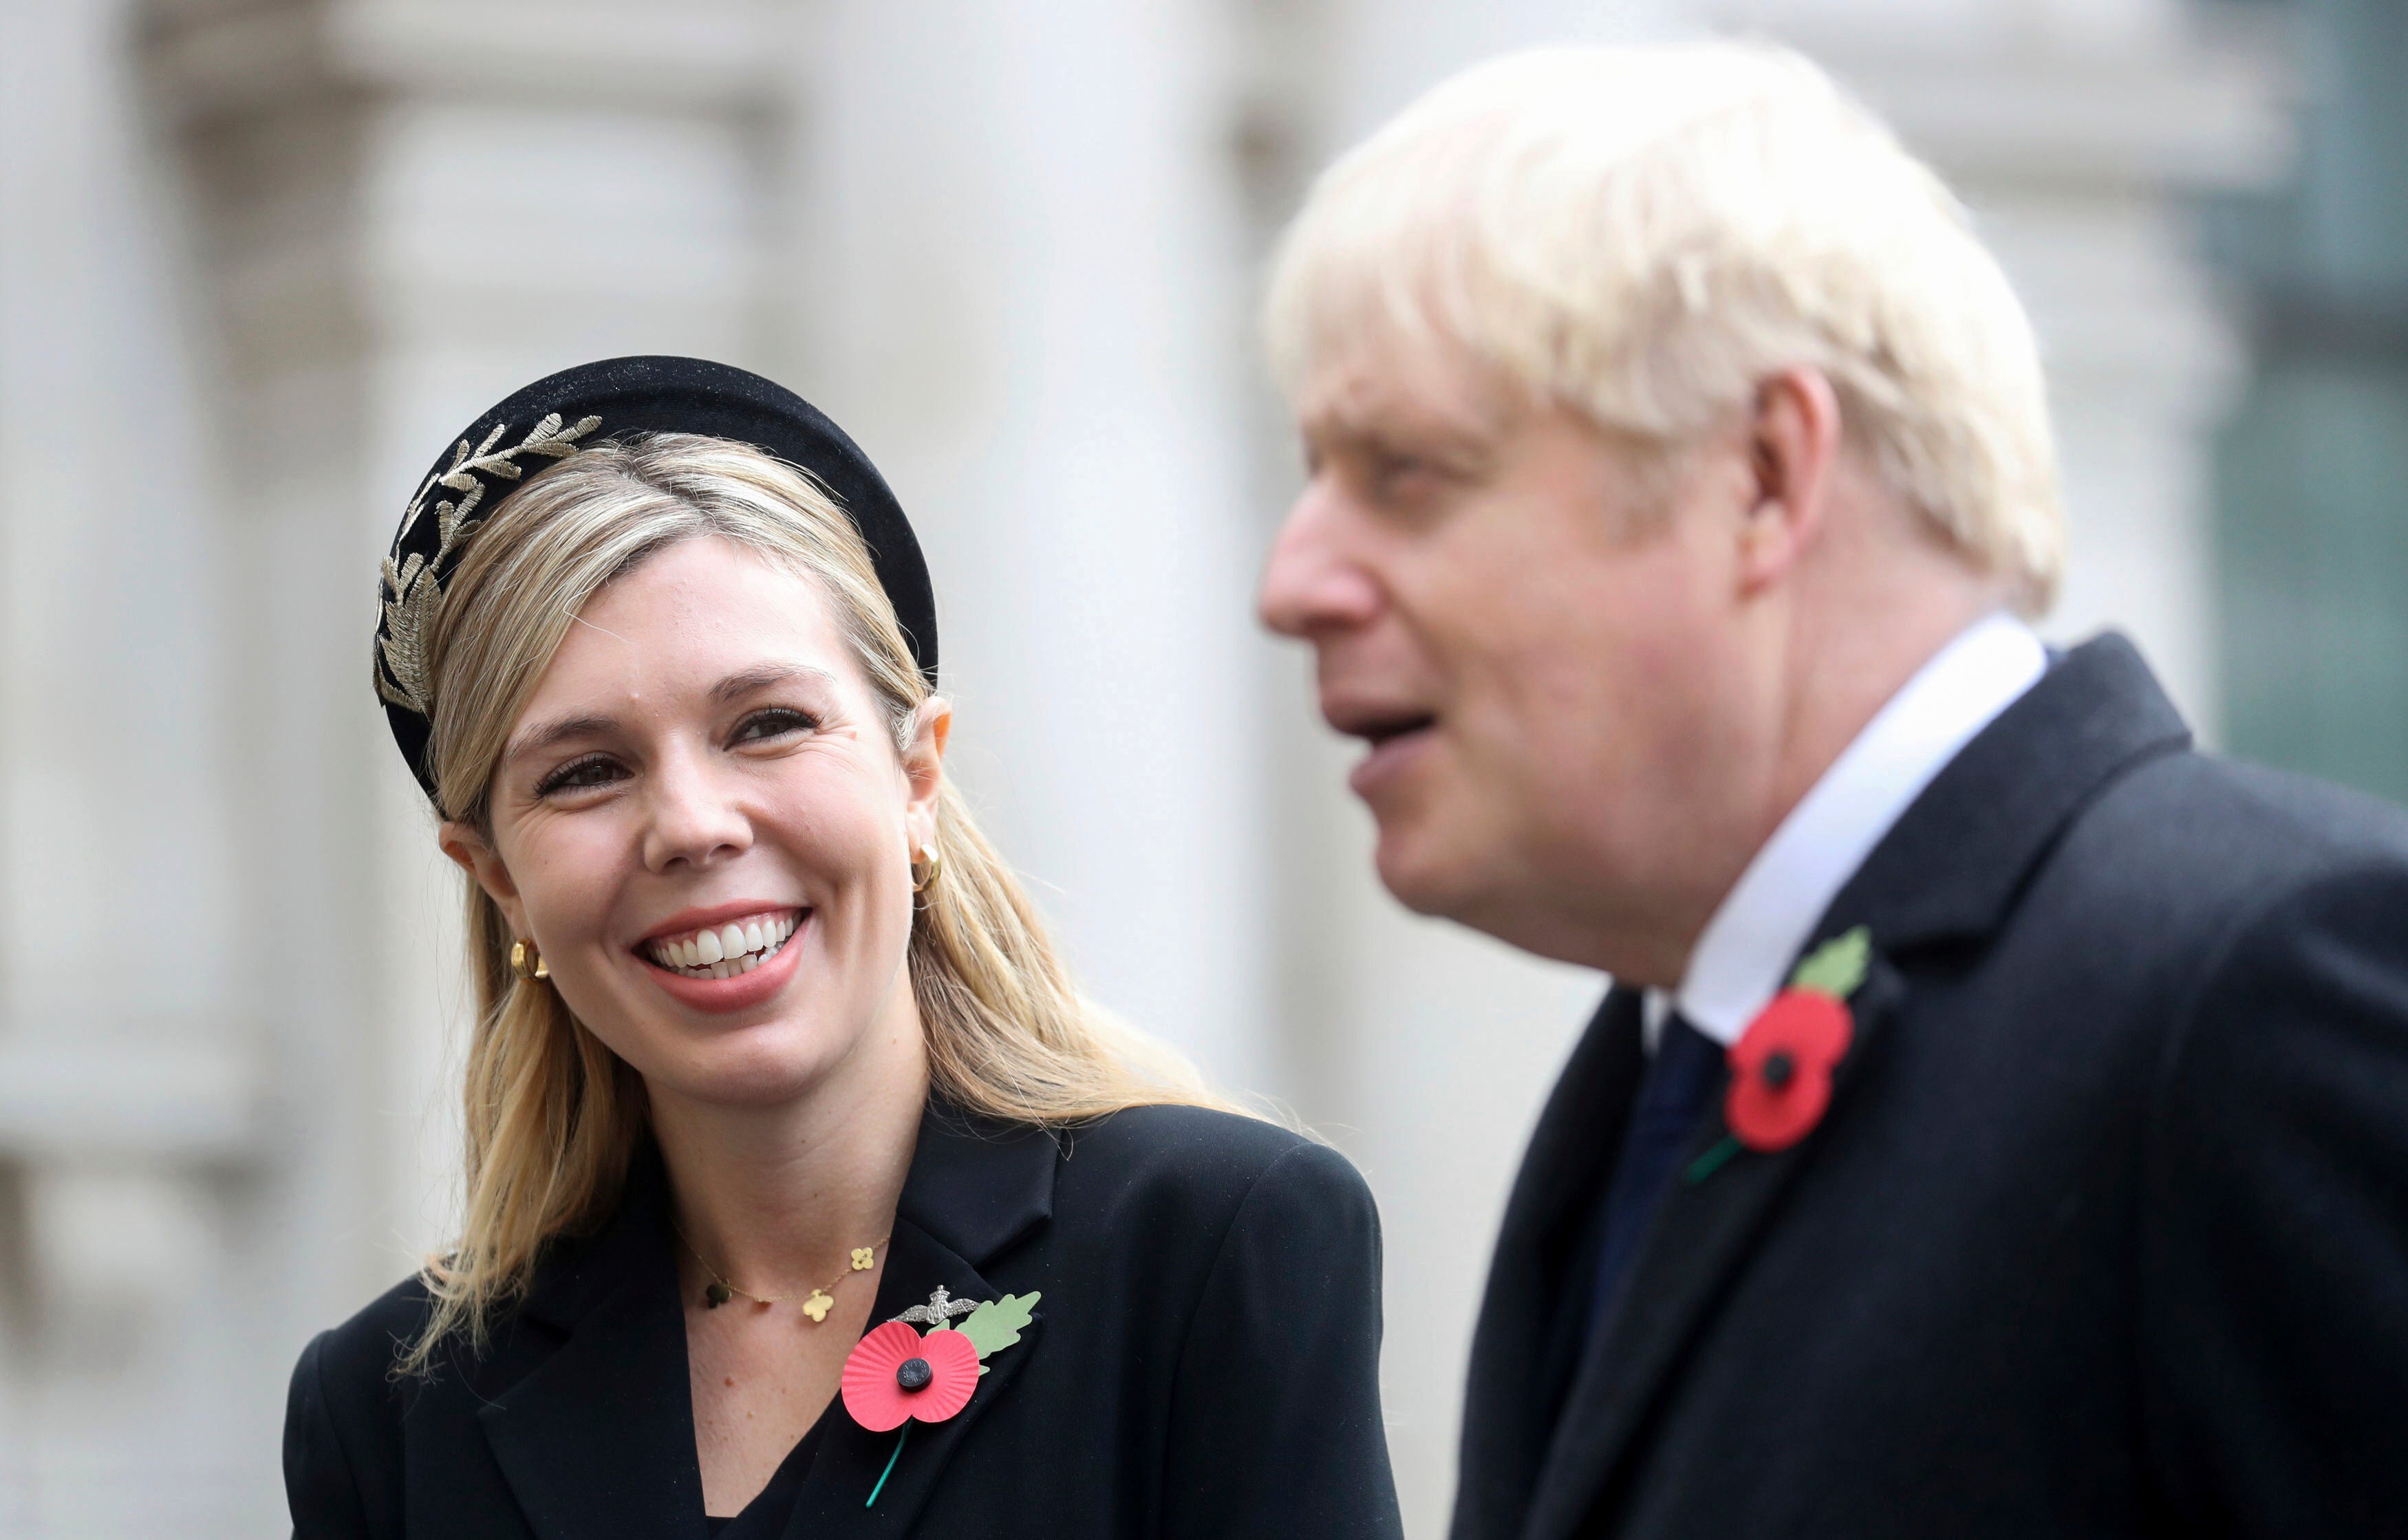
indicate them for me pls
(555, 732)
(751, 679)
(560, 729)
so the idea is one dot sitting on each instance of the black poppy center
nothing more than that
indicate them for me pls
(914, 1373)
(1778, 1069)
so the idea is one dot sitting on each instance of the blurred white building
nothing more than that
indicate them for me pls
(258, 257)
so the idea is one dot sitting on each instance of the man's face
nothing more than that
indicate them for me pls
(1535, 640)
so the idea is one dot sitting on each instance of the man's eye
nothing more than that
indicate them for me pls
(774, 724)
(581, 775)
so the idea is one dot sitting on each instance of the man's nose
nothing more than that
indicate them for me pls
(1313, 583)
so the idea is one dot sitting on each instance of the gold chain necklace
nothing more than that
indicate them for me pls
(816, 1305)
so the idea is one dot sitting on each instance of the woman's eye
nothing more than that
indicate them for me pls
(580, 774)
(776, 722)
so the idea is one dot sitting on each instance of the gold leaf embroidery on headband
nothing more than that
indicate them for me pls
(411, 589)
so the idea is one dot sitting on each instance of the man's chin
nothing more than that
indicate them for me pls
(1453, 886)
(1425, 880)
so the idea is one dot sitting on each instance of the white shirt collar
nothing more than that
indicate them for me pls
(1744, 954)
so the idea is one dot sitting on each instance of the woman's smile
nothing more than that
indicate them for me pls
(749, 957)
(706, 946)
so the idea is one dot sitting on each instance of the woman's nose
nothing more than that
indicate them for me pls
(695, 817)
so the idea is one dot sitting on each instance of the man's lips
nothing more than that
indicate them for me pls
(1376, 724)
(1396, 734)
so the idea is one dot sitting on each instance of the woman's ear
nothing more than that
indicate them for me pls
(923, 767)
(463, 843)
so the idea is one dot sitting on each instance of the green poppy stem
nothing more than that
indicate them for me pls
(890, 1464)
(1713, 1160)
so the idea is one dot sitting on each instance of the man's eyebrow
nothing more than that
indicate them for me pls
(1449, 446)
(555, 732)
(736, 686)
(1395, 422)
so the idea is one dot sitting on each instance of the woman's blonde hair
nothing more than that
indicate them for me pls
(1644, 234)
(553, 1115)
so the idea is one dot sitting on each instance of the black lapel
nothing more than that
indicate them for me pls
(1950, 870)
(976, 1189)
(598, 1439)
(1700, 1232)
(1957, 861)
(1516, 1377)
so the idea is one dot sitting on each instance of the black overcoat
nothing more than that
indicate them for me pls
(2104, 1233)
(1203, 1363)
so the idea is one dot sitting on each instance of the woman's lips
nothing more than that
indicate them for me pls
(739, 991)
(741, 944)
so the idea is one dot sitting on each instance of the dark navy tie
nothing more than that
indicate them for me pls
(1672, 1095)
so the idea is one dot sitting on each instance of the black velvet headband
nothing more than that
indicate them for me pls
(556, 416)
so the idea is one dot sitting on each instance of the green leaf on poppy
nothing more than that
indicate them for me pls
(1836, 967)
(996, 1323)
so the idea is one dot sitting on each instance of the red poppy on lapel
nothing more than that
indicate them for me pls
(894, 1376)
(1781, 1067)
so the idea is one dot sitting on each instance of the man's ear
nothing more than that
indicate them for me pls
(923, 767)
(1792, 444)
(463, 843)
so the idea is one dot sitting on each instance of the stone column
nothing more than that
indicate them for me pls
(235, 989)
(130, 1085)
(1022, 242)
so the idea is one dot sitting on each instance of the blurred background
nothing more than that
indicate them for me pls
(258, 258)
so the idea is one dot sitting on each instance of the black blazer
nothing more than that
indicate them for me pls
(1204, 1363)
(2105, 1232)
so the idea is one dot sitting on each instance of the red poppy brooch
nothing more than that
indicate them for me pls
(896, 1376)
(1781, 1067)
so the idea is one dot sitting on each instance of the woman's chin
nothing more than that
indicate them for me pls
(768, 1064)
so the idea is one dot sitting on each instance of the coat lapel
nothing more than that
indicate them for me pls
(1701, 1233)
(1950, 871)
(975, 1190)
(1518, 1372)
(598, 1438)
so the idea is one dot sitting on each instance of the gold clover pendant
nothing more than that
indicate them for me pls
(819, 1304)
(863, 1257)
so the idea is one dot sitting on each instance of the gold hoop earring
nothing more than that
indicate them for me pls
(527, 963)
(924, 868)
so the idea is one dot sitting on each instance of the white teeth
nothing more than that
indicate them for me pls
(729, 951)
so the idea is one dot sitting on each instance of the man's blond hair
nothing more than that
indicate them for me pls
(1645, 235)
